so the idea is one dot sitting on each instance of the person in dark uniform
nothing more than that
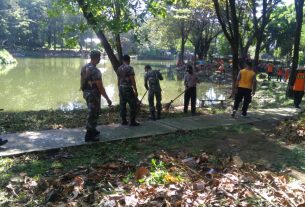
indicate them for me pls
(128, 91)
(245, 86)
(190, 83)
(152, 84)
(92, 87)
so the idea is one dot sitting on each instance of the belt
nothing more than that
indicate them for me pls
(126, 86)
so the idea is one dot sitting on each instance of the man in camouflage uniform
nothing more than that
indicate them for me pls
(152, 84)
(92, 87)
(128, 91)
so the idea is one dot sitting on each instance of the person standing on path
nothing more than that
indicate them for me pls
(92, 87)
(279, 74)
(152, 84)
(270, 67)
(127, 91)
(190, 83)
(299, 87)
(245, 84)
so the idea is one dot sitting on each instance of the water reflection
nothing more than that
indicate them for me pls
(52, 83)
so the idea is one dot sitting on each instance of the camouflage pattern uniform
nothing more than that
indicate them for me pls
(152, 84)
(90, 74)
(126, 92)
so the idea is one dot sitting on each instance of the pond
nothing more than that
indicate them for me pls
(53, 83)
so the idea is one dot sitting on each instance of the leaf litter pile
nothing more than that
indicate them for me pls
(164, 181)
(292, 131)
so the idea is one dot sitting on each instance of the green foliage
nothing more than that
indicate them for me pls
(6, 57)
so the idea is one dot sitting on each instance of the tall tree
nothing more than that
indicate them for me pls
(226, 14)
(299, 4)
(261, 22)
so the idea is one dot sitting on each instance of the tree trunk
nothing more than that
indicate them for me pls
(119, 48)
(113, 59)
(259, 40)
(299, 4)
(94, 24)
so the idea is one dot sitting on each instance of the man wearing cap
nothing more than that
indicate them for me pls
(246, 85)
(299, 87)
(127, 91)
(92, 87)
(152, 84)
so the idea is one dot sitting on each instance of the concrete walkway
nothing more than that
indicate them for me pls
(51, 139)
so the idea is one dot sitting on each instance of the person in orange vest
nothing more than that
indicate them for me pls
(279, 74)
(246, 86)
(287, 72)
(270, 67)
(299, 87)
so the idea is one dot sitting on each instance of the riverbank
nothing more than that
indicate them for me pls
(50, 53)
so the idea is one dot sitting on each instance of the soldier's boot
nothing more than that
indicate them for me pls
(96, 132)
(133, 122)
(124, 121)
(159, 115)
(91, 137)
(152, 116)
(2, 142)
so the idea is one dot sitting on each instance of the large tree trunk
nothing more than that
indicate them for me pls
(299, 4)
(259, 41)
(119, 48)
(94, 24)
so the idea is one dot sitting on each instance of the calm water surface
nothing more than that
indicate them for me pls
(53, 83)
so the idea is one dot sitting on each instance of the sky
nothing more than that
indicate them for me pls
(288, 2)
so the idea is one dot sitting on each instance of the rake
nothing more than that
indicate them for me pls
(167, 106)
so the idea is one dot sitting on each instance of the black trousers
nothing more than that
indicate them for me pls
(190, 94)
(243, 93)
(298, 95)
(269, 75)
(279, 77)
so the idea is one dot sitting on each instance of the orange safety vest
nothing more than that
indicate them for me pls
(270, 68)
(246, 78)
(299, 82)
(280, 72)
(286, 73)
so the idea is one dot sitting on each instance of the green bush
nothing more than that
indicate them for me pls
(6, 57)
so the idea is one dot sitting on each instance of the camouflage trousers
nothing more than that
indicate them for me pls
(93, 100)
(127, 96)
(151, 96)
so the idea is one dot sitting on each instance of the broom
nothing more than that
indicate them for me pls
(166, 106)
(140, 101)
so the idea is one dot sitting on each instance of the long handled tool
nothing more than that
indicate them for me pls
(140, 101)
(166, 106)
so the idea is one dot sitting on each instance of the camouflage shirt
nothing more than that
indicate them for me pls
(124, 72)
(151, 79)
(89, 74)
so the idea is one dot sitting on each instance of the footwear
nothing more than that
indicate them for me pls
(233, 113)
(245, 115)
(152, 118)
(91, 137)
(96, 132)
(2, 142)
(124, 122)
(134, 123)
(158, 115)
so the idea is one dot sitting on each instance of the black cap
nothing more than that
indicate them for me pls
(147, 67)
(126, 58)
(94, 54)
